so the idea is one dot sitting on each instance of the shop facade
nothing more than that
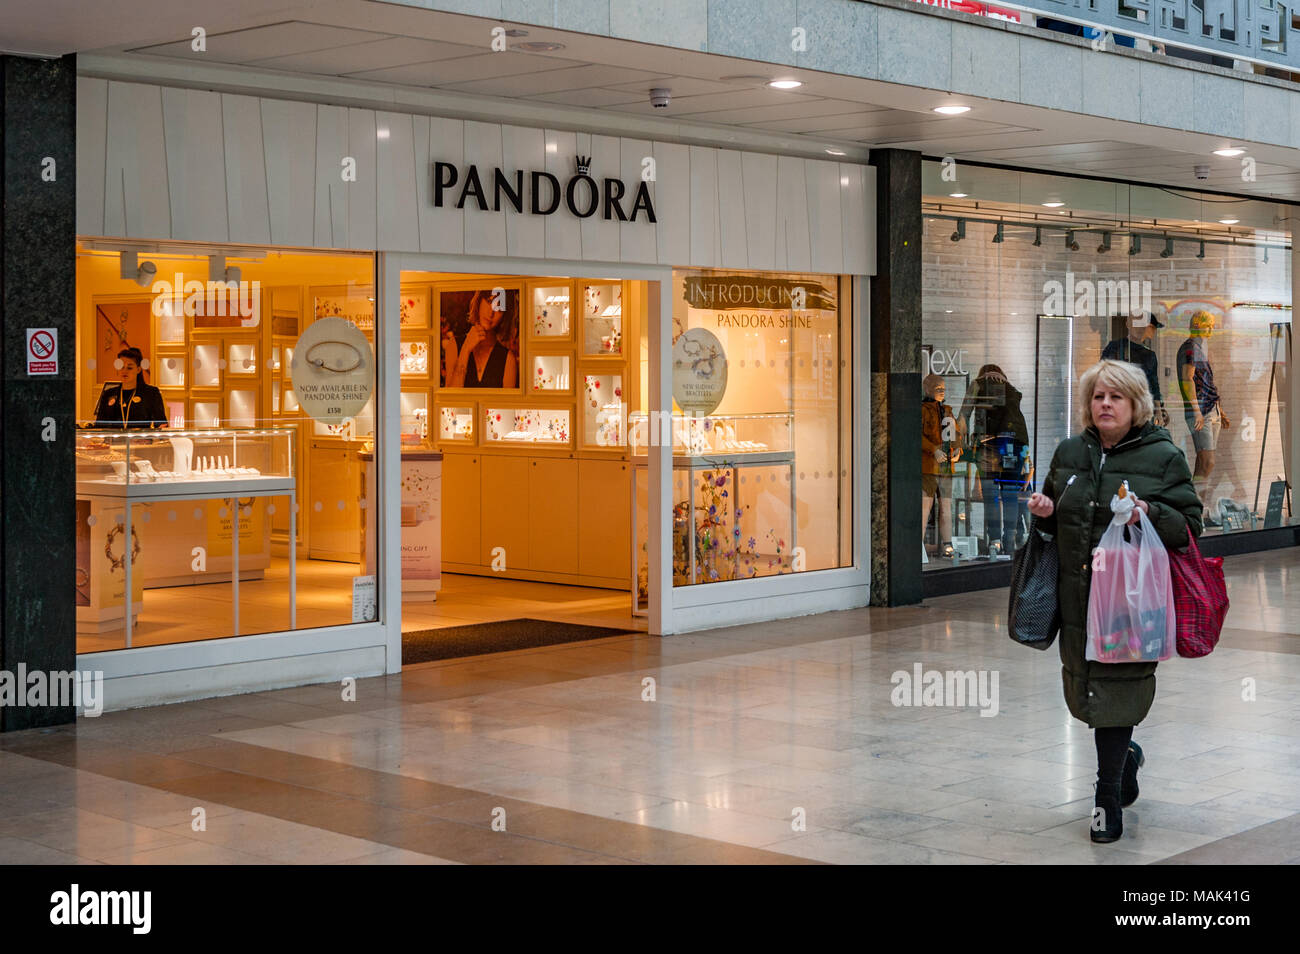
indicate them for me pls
(1028, 280)
(665, 400)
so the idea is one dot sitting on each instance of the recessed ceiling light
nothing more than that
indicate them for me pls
(785, 84)
(1053, 204)
(836, 152)
(952, 110)
(539, 46)
(1229, 221)
(958, 195)
(1229, 152)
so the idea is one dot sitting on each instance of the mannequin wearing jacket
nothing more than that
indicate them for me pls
(937, 456)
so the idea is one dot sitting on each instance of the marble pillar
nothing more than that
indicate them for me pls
(896, 381)
(37, 454)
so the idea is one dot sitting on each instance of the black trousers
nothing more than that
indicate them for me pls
(1112, 750)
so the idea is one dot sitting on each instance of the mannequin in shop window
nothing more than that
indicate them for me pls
(484, 358)
(1138, 349)
(130, 402)
(937, 456)
(999, 439)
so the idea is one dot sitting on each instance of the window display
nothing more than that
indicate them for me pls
(526, 425)
(550, 373)
(550, 311)
(1193, 288)
(603, 410)
(602, 318)
(456, 424)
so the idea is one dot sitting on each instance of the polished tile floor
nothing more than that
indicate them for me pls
(773, 743)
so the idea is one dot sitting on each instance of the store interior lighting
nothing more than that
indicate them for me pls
(1134, 244)
(960, 234)
(1201, 252)
(997, 235)
(219, 272)
(1104, 247)
(1169, 248)
(142, 273)
(1038, 236)
(1070, 243)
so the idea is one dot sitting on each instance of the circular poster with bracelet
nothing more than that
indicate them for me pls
(699, 371)
(333, 370)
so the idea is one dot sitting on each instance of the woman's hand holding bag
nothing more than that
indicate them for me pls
(1131, 598)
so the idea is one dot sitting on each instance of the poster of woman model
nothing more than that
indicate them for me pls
(479, 338)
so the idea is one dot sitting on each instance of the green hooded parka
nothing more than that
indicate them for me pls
(1082, 479)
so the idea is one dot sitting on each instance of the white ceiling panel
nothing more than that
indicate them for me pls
(787, 111)
(591, 98)
(557, 81)
(684, 86)
(466, 68)
(263, 42)
(718, 103)
(376, 54)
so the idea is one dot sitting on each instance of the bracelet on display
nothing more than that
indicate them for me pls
(320, 362)
(120, 564)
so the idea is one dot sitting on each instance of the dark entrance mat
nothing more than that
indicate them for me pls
(452, 642)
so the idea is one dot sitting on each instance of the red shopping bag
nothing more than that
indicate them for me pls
(1201, 598)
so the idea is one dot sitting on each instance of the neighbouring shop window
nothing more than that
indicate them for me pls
(1029, 279)
(225, 405)
(761, 425)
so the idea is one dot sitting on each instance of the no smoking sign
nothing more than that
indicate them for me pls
(42, 351)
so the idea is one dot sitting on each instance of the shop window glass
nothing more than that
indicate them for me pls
(241, 516)
(1029, 279)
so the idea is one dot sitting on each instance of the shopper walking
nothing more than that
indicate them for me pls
(1119, 442)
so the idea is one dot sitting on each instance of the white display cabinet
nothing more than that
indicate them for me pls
(549, 426)
(550, 373)
(170, 371)
(456, 424)
(414, 416)
(207, 414)
(413, 359)
(602, 318)
(550, 311)
(207, 370)
(241, 359)
(603, 411)
(241, 408)
(721, 436)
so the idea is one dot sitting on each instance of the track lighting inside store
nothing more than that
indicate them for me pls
(219, 272)
(1229, 221)
(1104, 247)
(960, 234)
(1201, 253)
(997, 235)
(1038, 237)
(1070, 243)
(141, 273)
(1169, 248)
(1229, 152)
(1134, 244)
(953, 110)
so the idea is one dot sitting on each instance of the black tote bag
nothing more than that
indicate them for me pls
(1033, 613)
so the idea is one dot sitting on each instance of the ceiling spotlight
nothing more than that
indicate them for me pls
(1169, 248)
(1070, 243)
(1054, 204)
(951, 110)
(1134, 244)
(997, 236)
(960, 234)
(1201, 253)
(1229, 221)
(958, 195)
(785, 84)
(1104, 247)
(1229, 152)
(142, 273)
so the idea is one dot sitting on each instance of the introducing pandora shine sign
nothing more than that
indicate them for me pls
(541, 192)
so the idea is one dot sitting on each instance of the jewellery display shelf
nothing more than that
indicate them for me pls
(733, 449)
(121, 469)
(549, 312)
(456, 424)
(600, 305)
(538, 426)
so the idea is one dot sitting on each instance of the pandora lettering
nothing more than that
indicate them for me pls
(540, 191)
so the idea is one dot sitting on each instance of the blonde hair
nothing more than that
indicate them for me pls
(1128, 379)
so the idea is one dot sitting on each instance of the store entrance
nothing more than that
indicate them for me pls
(517, 505)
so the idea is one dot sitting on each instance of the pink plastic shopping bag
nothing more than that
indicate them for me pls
(1131, 600)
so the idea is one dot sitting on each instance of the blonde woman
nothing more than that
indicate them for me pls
(1119, 442)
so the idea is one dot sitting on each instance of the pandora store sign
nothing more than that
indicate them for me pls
(541, 193)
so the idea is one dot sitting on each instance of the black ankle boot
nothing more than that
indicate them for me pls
(1107, 817)
(1128, 786)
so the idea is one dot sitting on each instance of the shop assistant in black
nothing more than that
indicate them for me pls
(131, 402)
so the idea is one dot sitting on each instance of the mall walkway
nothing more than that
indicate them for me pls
(743, 734)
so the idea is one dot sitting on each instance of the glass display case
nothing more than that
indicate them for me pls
(241, 408)
(603, 410)
(171, 328)
(207, 373)
(456, 424)
(602, 318)
(414, 416)
(207, 414)
(550, 373)
(413, 359)
(241, 359)
(171, 371)
(725, 436)
(550, 311)
(182, 462)
(526, 426)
